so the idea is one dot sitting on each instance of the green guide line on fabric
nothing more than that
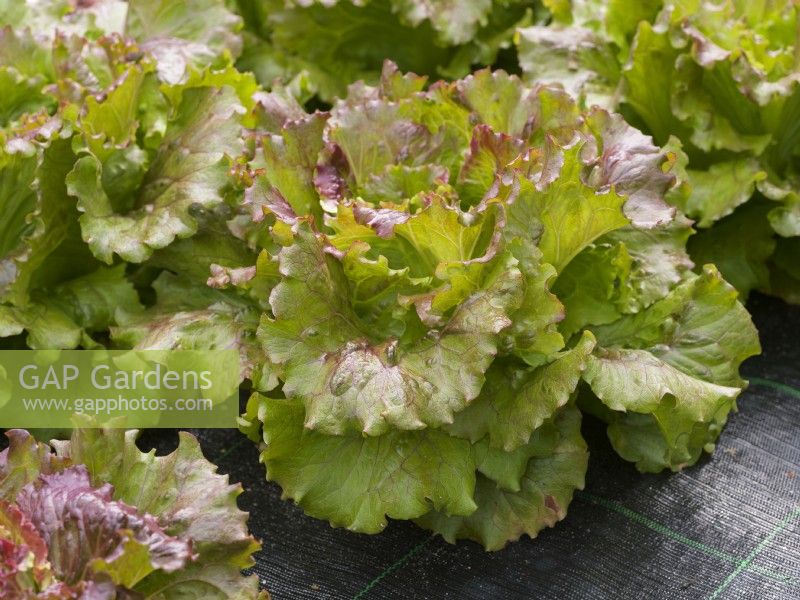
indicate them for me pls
(745, 564)
(674, 535)
(393, 567)
(741, 564)
(775, 385)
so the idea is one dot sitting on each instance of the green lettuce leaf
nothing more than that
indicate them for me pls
(192, 316)
(557, 465)
(516, 401)
(398, 474)
(334, 43)
(582, 61)
(40, 216)
(349, 378)
(179, 35)
(190, 169)
(719, 190)
(182, 35)
(672, 370)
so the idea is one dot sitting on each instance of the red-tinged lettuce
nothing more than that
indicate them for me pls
(445, 267)
(100, 519)
(187, 170)
(723, 78)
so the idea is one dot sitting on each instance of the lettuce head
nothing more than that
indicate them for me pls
(452, 271)
(94, 517)
(720, 80)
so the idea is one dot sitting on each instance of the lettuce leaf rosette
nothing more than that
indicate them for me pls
(110, 151)
(452, 270)
(719, 79)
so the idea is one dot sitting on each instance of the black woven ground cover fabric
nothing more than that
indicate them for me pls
(727, 528)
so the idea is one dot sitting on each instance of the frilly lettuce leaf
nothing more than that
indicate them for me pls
(577, 57)
(623, 272)
(69, 314)
(39, 213)
(516, 401)
(534, 331)
(398, 474)
(584, 47)
(595, 287)
(50, 286)
(572, 214)
(427, 474)
(720, 189)
(25, 67)
(351, 379)
(193, 316)
(190, 168)
(672, 371)
(182, 35)
(23, 461)
(84, 528)
(182, 489)
(784, 218)
(179, 35)
(659, 259)
(555, 469)
(24, 554)
(46, 18)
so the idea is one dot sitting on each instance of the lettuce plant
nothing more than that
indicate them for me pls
(447, 266)
(107, 149)
(722, 78)
(427, 284)
(99, 519)
(322, 46)
(178, 34)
